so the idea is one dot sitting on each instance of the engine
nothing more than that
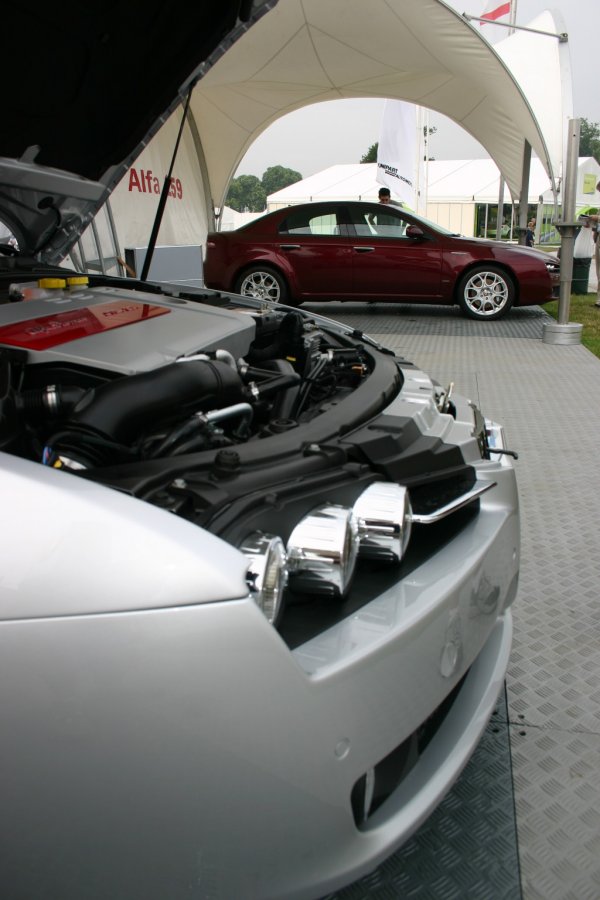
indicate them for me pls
(70, 403)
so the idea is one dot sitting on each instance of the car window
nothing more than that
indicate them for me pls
(379, 222)
(302, 222)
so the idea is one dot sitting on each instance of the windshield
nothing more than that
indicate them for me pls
(429, 224)
(388, 220)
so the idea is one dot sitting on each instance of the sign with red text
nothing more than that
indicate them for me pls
(134, 201)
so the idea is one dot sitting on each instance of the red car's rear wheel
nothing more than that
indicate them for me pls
(262, 282)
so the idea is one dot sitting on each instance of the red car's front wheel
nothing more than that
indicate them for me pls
(486, 293)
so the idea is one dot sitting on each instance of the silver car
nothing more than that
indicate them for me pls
(256, 570)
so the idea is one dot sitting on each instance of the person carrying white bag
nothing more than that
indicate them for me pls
(594, 221)
(584, 242)
(583, 249)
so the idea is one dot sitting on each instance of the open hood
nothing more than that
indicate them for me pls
(73, 123)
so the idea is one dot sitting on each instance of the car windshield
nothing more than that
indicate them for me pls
(429, 224)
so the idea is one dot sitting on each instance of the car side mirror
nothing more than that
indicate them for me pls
(413, 231)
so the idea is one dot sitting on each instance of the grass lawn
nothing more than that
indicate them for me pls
(582, 311)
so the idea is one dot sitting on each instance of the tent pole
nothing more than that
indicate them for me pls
(500, 215)
(513, 17)
(563, 331)
(524, 198)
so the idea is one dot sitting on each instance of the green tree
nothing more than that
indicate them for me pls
(371, 155)
(275, 178)
(246, 194)
(589, 139)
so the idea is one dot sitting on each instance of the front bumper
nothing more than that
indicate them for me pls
(187, 752)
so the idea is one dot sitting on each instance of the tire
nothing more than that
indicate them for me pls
(263, 283)
(486, 293)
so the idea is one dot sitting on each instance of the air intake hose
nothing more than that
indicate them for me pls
(122, 410)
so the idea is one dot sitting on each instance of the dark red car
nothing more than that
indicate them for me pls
(375, 252)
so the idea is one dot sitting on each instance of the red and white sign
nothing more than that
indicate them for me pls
(135, 199)
(146, 182)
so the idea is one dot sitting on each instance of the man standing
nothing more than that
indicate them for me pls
(385, 196)
(595, 221)
(383, 222)
(530, 233)
(597, 250)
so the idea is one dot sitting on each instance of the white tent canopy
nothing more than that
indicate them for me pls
(307, 51)
(458, 180)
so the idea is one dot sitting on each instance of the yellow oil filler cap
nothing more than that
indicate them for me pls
(52, 283)
(78, 281)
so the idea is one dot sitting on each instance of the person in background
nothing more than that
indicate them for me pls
(385, 196)
(375, 220)
(595, 221)
(382, 222)
(530, 233)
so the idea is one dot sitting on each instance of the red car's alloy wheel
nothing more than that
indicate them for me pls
(262, 283)
(486, 293)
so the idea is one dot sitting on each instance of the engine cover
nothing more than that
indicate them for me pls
(121, 331)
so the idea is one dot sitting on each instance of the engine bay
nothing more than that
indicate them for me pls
(101, 377)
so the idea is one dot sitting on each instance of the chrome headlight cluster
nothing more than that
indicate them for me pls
(384, 519)
(322, 549)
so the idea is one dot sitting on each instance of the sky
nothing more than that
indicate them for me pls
(341, 141)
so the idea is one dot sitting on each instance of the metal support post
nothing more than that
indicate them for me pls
(565, 332)
(524, 198)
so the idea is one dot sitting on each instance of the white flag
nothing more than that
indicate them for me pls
(396, 153)
(496, 10)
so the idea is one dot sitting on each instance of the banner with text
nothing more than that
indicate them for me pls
(396, 153)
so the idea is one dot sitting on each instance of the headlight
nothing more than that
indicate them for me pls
(267, 571)
(384, 517)
(322, 551)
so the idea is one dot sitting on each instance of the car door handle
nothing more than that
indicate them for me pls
(364, 249)
(289, 246)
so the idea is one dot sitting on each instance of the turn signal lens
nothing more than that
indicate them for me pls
(267, 572)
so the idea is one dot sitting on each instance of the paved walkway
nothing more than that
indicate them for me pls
(548, 399)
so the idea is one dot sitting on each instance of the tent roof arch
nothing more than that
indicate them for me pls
(303, 52)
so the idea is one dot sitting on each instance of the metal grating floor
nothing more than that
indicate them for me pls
(523, 822)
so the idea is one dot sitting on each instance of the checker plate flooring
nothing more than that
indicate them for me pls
(523, 821)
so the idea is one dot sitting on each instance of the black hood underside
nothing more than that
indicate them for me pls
(86, 82)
